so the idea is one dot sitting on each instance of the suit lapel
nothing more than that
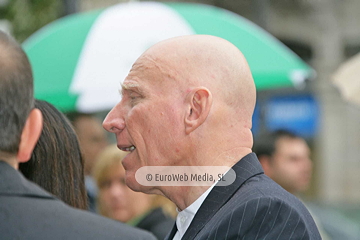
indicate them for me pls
(246, 168)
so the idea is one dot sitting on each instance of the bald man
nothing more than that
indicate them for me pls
(188, 101)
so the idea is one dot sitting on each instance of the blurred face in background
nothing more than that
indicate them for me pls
(92, 138)
(117, 200)
(291, 166)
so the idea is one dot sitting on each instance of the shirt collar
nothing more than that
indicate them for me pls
(185, 217)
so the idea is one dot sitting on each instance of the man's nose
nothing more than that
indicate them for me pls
(114, 121)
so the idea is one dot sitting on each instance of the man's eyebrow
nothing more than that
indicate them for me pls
(129, 86)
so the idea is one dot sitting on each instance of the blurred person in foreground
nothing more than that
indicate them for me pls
(153, 213)
(56, 163)
(188, 101)
(93, 140)
(26, 210)
(286, 158)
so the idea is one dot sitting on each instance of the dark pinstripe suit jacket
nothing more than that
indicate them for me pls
(253, 207)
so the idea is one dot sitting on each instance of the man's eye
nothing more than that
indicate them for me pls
(133, 97)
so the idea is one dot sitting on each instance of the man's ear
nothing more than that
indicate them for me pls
(200, 101)
(265, 163)
(30, 135)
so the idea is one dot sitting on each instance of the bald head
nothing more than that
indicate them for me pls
(187, 101)
(209, 61)
(213, 76)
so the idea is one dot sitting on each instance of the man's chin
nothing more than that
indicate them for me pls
(137, 187)
(133, 184)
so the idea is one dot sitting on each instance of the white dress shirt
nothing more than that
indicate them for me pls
(185, 217)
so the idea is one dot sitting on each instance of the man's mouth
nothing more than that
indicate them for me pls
(128, 149)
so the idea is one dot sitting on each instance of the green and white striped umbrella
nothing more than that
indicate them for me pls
(79, 60)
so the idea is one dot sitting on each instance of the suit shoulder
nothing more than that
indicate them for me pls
(259, 209)
(262, 218)
(40, 218)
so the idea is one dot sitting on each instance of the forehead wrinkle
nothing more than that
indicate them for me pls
(155, 70)
(162, 64)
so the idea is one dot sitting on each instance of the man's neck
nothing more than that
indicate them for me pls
(188, 196)
(11, 160)
(184, 196)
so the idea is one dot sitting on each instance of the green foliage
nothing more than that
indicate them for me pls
(27, 16)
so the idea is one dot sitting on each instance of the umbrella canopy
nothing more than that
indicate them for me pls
(347, 79)
(79, 60)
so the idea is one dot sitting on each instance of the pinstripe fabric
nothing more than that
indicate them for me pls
(253, 207)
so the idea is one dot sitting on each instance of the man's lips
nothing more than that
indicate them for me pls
(127, 148)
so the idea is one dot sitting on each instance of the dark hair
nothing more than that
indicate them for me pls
(74, 116)
(16, 93)
(56, 163)
(266, 143)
